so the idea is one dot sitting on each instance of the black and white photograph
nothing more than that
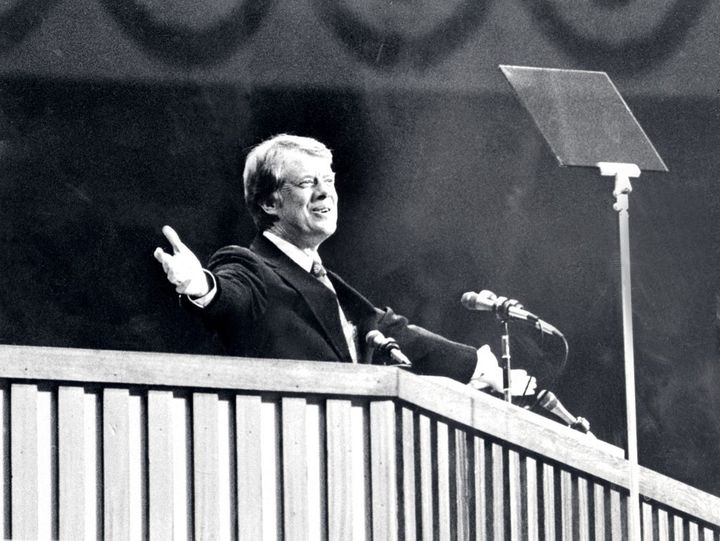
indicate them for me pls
(380, 270)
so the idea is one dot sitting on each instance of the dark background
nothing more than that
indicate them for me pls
(444, 188)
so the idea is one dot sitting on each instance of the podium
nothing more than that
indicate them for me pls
(588, 124)
(131, 445)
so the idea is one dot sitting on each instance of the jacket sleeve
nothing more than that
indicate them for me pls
(241, 292)
(430, 353)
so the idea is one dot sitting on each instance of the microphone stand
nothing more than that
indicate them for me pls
(502, 310)
(505, 356)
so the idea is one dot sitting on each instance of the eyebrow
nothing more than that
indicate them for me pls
(313, 177)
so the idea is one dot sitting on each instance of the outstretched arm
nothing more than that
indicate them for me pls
(434, 355)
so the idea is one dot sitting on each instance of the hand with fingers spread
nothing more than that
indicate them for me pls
(182, 267)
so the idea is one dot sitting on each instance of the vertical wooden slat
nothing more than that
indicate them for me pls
(47, 465)
(5, 462)
(226, 470)
(444, 520)
(599, 525)
(362, 520)
(294, 457)
(206, 465)
(498, 491)
(647, 522)
(182, 498)
(583, 503)
(249, 471)
(137, 443)
(383, 469)
(515, 496)
(678, 528)
(93, 465)
(616, 525)
(548, 494)
(693, 533)
(408, 474)
(566, 505)
(531, 499)
(161, 465)
(24, 457)
(116, 464)
(480, 476)
(271, 469)
(426, 474)
(663, 528)
(71, 462)
(339, 475)
(463, 490)
(708, 534)
(33, 462)
(316, 469)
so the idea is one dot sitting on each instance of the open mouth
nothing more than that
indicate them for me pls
(321, 210)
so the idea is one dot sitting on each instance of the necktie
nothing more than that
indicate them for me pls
(349, 330)
(319, 272)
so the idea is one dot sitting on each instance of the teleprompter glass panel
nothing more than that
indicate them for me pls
(583, 117)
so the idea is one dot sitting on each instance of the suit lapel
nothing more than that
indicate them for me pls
(321, 301)
(359, 310)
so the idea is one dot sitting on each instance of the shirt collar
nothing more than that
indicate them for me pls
(302, 259)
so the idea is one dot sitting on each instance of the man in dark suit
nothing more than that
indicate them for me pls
(276, 300)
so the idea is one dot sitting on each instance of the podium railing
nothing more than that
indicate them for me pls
(126, 445)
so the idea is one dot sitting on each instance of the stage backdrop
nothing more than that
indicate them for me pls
(121, 116)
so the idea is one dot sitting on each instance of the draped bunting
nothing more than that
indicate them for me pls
(622, 37)
(641, 45)
(18, 19)
(181, 44)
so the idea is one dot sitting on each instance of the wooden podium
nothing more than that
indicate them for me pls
(122, 445)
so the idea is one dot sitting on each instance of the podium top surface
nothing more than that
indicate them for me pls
(583, 117)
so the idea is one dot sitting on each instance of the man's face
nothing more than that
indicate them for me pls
(306, 203)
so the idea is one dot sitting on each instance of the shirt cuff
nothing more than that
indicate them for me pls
(486, 368)
(203, 301)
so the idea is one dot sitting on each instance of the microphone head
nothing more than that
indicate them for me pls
(549, 402)
(484, 301)
(546, 399)
(374, 338)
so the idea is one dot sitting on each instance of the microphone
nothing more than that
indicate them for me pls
(549, 402)
(386, 346)
(504, 308)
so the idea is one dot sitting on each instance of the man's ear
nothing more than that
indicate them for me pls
(271, 204)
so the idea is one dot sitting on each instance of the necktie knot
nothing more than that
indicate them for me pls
(317, 270)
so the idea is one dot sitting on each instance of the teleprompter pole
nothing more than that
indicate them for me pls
(623, 172)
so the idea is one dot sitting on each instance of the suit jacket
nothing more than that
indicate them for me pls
(268, 306)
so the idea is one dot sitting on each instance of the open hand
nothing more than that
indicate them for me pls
(182, 268)
(488, 374)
